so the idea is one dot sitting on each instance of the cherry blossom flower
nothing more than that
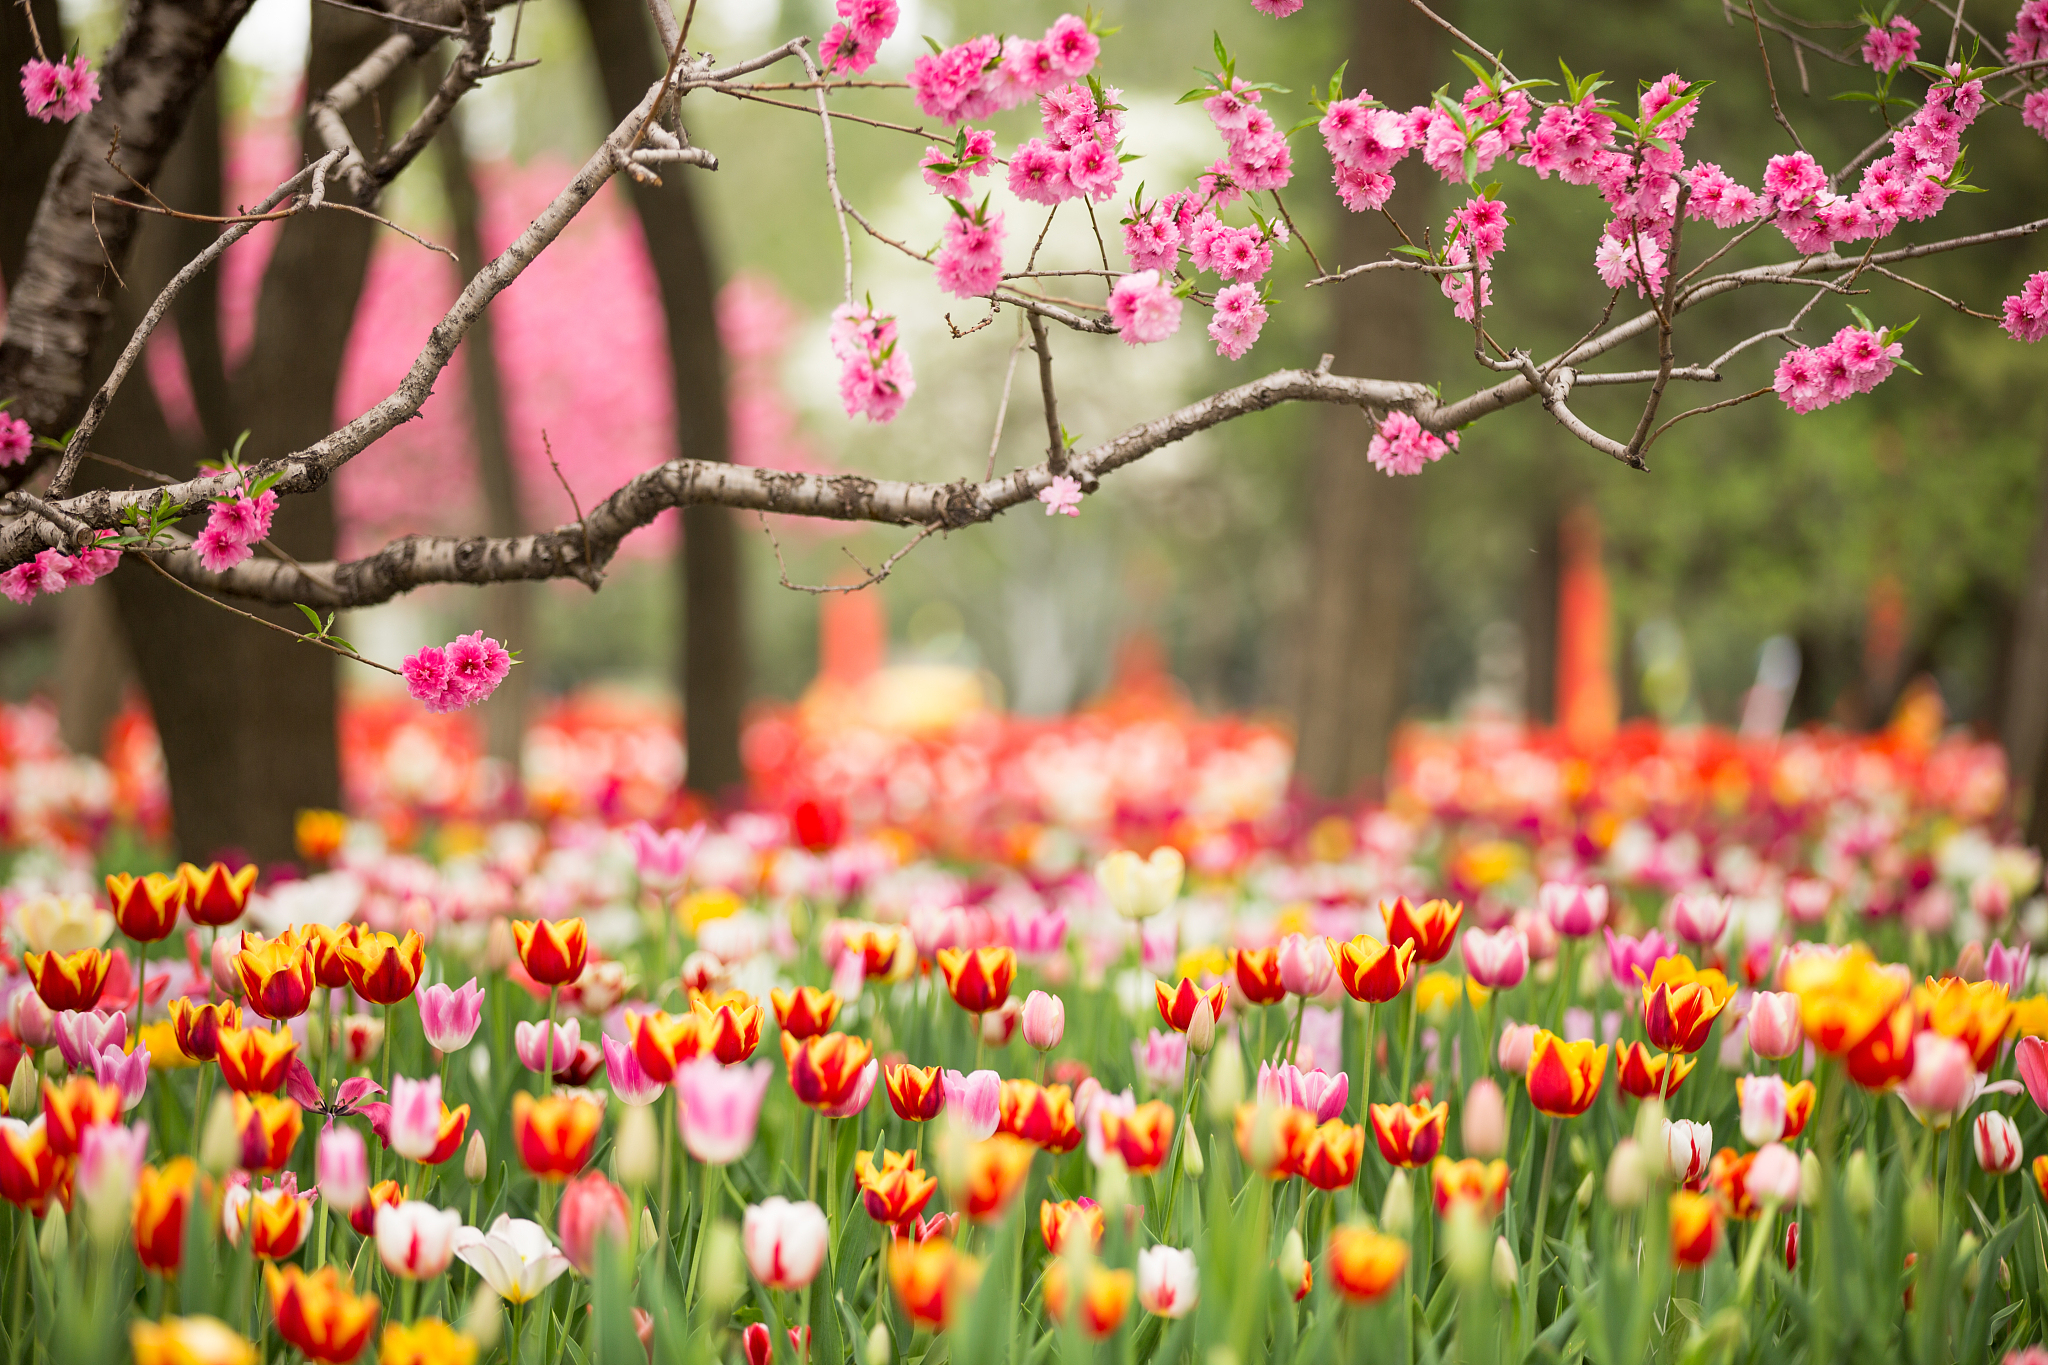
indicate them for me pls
(1401, 446)
(52, 571)
(1038, 173)
(947, 169)
(2034, 112)
(16, 440)
(1062, 497)
(971, 254)
(461, 673)
(2026, 313)
(874, 373)
(1856, 361)
(850, 46)
(2028, 41)
(1144, 308)
(955, 84)
(1624, 262)
(58, 92)
(1278, 9)
(1152, 240)
(1894, 44)
(1073, 46)
(1239, 317)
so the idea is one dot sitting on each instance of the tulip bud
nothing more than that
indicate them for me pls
(1628, 1175)
(1190, 1149)
(1809, 1180)
(877, 1351)
(1505, 1272)
(1226, 1079)
(1465, 1248)
(1202, 1029)
(220, 1141)
(724, 1273)
(54, 1241)
(1923, 1216)
(476, 1161)
(1045, 1020)
(1859, 1184)
(636, 1152)
(1485, 1120)
(483, 1320)
(1292, 1262)
(649, 1234)
(1584, 1195)
(21, 1090)
(1397, 1210)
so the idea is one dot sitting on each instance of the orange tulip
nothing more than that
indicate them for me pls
(825, 1071)
(163, 1200)
(1798, 1107)
(1370, 970)
(255, 1060)
(1328, 1157)
(732, 1030)
(916, 1093)
(1409, 1134)
(270, 1128)
(1681, 1002)
(1639, 1071)
(1695, 1228)
(804, 1012)
(216, 896)
(1843, 997)
(198, 1027)
(978, 979)
(875, 944)
(1884, 1056)
(1564, 1078)
(1271, 1137)
(1974, 1013)
(325, 942)
(932, 1278)
(321, 1313)
(1482, 1185)
(664, 1042)
(1431, 927)
(996, 1170)
(69, 981)
(276, 974)
(896, 1191)
(383, 1194)
(1258, 975)
(556, 1135)
(1143, 1137)
(552, 951)
(1365, 1263)
(1042, 1115)
(1105, 1296)
(78, 1104)
(147, 907)
(1177, 1006)
(383, 968)
(195, 1340)
(1070, 1219)
(30, 1168)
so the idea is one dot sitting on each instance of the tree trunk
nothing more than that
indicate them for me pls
(1361, 555)
(28, 147)
(508, 607)
(2024, 726)
(714, 664)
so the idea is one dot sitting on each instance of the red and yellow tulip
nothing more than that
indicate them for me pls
(978, 979)
(1409, 1134)
(1564, 1078)
(555, 1135)
(69, 981)
(383, 968)
(321, 1313)
(552, 951)
(216, 896)
(1370, 970)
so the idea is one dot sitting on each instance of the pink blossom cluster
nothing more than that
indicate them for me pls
(1144, 307)
(1892, 44)
(1256, 155)
(1487, 123)
(2034, 112)
(1365, 143)
(1401, 446)
(947, 169)
(1078, 154)
(1642, 189)
(1477, 232)
(2026, 313)
(1238, 254)
(986, 74)
(460, 673)
(1278, 9)
(1152, 237)
(1062, 497)
(874, 371)
(1572, 141)
(1856, 361)
(2028, 41)
(233, 526)
(59, 91)
(971, 253)
(52, 571)
(16, 440)
(851, 44)
(1240, 315)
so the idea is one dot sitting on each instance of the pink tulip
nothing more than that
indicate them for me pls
(1807, 899)
(1540, 933)
(110, 1158)
(1045, 1020)
(450, 1017)
(414, 1122)
(592, 1208)
(974, 1102)
(1997, 1139)
(1774, 1175)
(414, 1239)
(530, 1041)
(863, 1091)
(1516, 1043)
(719, 1107)
(2032, 1055)
(83, 1034)
(1037, 936)
(1941, 1079)
(31, 1019)
(341, 1163)
(1625, 956)
(1699, 916)
(1497, 960)
(663, 858)
(1774, 1029)
(1763, 1109)
(629, 1080)
(1314, 1090)
(1574, 911)
(2008, 967)
(1484, 1122)
(127, 1072)
(1306, 967)
(1161, 1059)
(227, 982)
(784, 1242)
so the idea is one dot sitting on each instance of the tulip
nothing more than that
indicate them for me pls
(2040, 1169)
(198, 1027)
(341, 1163)
(804, 1012)
(988, 1176)
(1975, 1013)
(276, 975)
(1774, 1176)
(1306, 967)
(1939, 1084)
(1641, 1072)
(872, 947)
(1167, 1281)
(1564, 1078)
(1045, 1021)
(828, 1071)
(1628, 1175)
(414, 1119)
(216, 896)
(1997, 1141)
(382, 1195)
(1695, 1228)
(109, 1162)
(30, 1167)
(1138, 889)
(1372, 971)
(1143, 1137)
(1430, 927)
(932, 1279)
(1799, 1098)
(1483, 1123)
(719, 1107)
(1105, 1296)
(1162, 1058)
(999, 1025)
(61, 924)
(547, 1048)
(81, 1035)
(1481, 1185)
(69, 981)
(254, 1060)
(325, 942)
(1680, 1004)
(1071, 1223)
(553, 952)
(1688, 1147)
(449, 1127)
(1409, 1134)
(1762, 1101)
(1043, 1115)
(978, 979)
(973, 1102)
(1774, 1030)
(1314, 1090)
(1328, 1156)
(33, 1022)
(1517, 1043)
(383, 968)
(592, 1208)
(1843, 997)
(450, 1017)
(895, 1192)
(662, 1043)
(629, 1080)
(1270, 1137)
(1728, 1175)
(268, 1128)
(75, 1106)
(555, 1135)
(429, 1341)
(1699, 916)
(126, 1072)
(1177, 1007)
(916, 1093)
(1625, 955)
(2032, 1056)
(1365, 1264)
(662, 858)
(757, 1344)
(196, 1340)
(1257, 974)
(1574, 911)
(2008, 967)
(515, 1258)
(320, 1313)
(784, 1242)
(163, 1201)
(1498, 960)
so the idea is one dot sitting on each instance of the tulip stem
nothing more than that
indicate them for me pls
(141, 988)
(1537, 1216)
(1291, 1049)
(547, 1075)
(518, 1321)
(390, 1043)
(811, 1184)
(703, 1232)
(1365, 1100)
(1408, 1048)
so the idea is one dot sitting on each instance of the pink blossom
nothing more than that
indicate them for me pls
(219, 550)
(1496, 960)
(1626, 956)
(414, 1122)
(1458, 287)
(127, 1072)
(1363, 191)
(59, 91)
(1262, 163)
(955, 84)
(1278, 9)
(1072, 46)
(1144, 308)
(1094, 170)
(1793, 179)
(2028, 41)
(1699, 916)
(1161, 1059)
(1038, 173)
(662, 857)
(461, 673)
(1568, 139)
(81, 88)
(1062, 497)
(2026, 313)
(1718, 198)
(947, 169)
(82, 1034)
(1622, 262)
(874, 369)
(1306, 967)
(1894, 44)
(971, 255)
(1152, 241)
(341, 1165)
(1239, 317)
(1401, 446)
(1230, 108)
(16, 440)
(849, 47)
(1030, 65)
(449, 1017)
(539, 1050)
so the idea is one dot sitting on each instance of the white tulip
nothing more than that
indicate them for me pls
(515, 1257)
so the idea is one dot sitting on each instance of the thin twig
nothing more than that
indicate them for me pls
(1452, 29)
(589, 564)
(1055, 437)
(301, 637)
(1956, 304)
(1003, 406)
(389, 17)
(832, 173)
(1770, 81)
(1707, 407)
(740, 93)
(1032, 260)
(1098, 233)
(872, 576)
(885, 238)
